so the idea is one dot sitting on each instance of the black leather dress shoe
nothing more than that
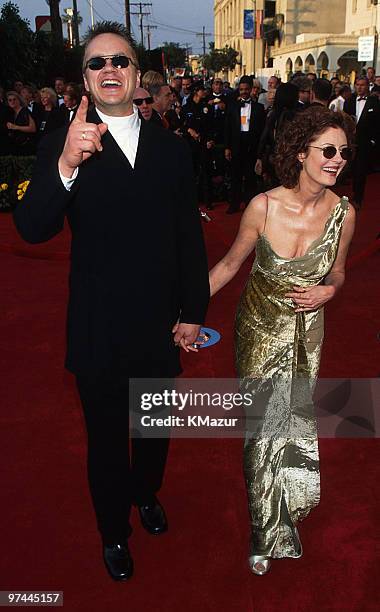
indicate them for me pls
(153, 517)
(118, 560)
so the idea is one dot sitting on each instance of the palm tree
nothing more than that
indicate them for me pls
(68, 18)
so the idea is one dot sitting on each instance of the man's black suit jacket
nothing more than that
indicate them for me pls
(138, 260)
(232, 137)
(368, 126)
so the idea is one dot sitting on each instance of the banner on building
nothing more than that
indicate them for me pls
(249, 24)
(366, 48)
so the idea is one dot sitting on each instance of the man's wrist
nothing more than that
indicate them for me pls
(65, 170)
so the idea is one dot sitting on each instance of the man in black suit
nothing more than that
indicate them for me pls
(244, 125)
(304, 86)
(366, 111)
(71, 100)
(162, 101)
(35, 109)
(138, 282)
(321, 93)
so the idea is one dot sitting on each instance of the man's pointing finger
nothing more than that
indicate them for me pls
(81, 114)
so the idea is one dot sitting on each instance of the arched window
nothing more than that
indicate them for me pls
(298, 64)
(310, 63)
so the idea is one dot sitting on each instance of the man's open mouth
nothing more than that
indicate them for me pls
(106, 83)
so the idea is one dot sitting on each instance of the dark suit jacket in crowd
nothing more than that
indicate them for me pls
(368, 126)
(138, 260)
(232, 138)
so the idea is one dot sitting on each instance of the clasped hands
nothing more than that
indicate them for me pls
(185, 334)
(311, 298)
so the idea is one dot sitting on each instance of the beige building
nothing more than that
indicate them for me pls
(328, 46)
(228, 25)
(318, 36)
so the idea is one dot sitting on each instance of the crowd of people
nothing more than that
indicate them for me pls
(231, 132)
(27, 114)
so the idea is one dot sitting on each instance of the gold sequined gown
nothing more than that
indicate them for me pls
(277, 359)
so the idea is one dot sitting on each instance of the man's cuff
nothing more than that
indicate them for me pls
(68, 182)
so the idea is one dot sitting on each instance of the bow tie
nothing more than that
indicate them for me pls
(362, 98)
(244, 102)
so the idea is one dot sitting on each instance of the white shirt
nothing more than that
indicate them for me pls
(245, 117)
(360, 104)
(125, 130)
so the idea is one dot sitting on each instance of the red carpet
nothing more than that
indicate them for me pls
(49, 537)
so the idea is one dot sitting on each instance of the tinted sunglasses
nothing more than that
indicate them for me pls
(140, 101)
(118, 61)
(330, 151)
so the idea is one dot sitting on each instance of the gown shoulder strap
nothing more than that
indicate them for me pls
(266, 212)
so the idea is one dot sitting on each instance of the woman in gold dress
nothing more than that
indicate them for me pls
(301, 232)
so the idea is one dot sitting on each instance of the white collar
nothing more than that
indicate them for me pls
(131, 122)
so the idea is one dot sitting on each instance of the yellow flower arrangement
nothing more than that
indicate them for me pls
(21, 188)
(4, 186)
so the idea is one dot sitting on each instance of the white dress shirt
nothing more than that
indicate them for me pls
(125, 130)
(245, 117)
(360, 104)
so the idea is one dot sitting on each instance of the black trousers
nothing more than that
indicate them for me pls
(120, 472)
(243, 179)
(359, 172)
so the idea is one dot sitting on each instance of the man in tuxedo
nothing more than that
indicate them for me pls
(321, 93)
(35, 109)
(303, 85)
(138, 280)
(366, 111)
(162, 101)
(371, 76)
(71, 100)
(60, 86)
(244, 125)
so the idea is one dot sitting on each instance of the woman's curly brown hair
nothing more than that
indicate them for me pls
(297, 134)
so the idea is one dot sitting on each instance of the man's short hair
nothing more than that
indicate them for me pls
(322, 89)
(302, 83)
(29, 89)
(198, 87)
(155, 89)
(362, 78)
(109, 27)
(246, 80)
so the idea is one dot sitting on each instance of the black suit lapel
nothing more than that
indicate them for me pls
(143, 148)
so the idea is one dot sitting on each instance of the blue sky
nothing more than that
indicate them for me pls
(170, 17)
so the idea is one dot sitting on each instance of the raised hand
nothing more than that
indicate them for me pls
(82, 140)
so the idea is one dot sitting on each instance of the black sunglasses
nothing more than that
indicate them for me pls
(118, 61)
(140, 101)
(330, 151)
